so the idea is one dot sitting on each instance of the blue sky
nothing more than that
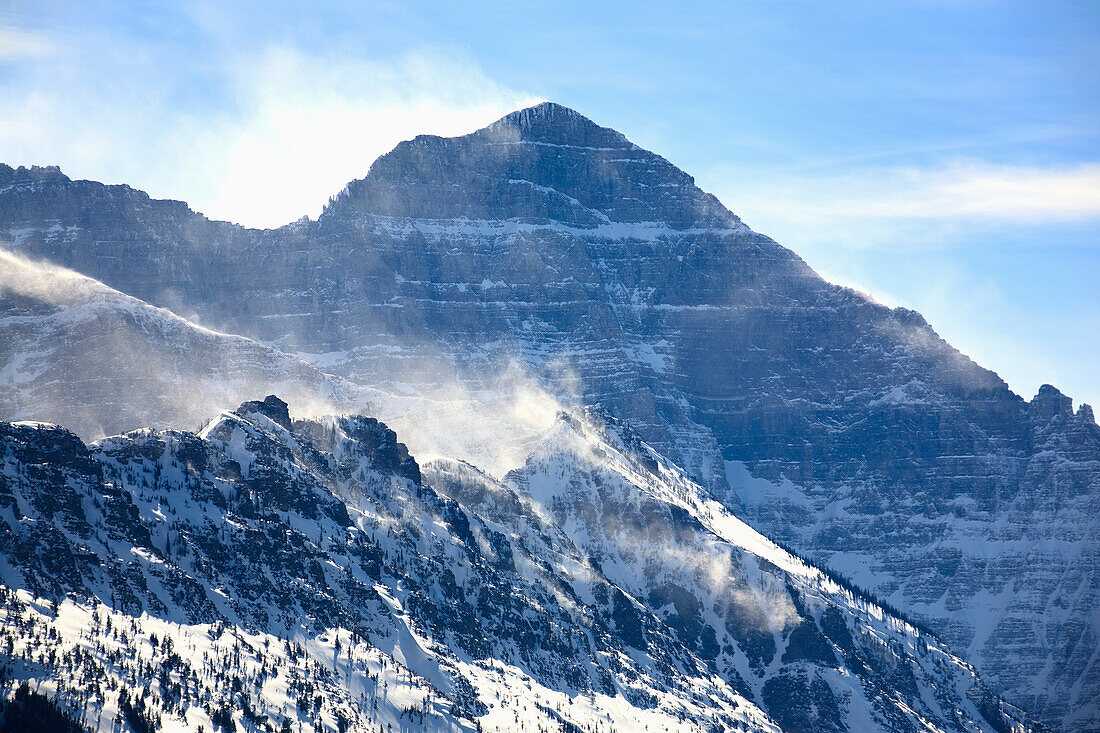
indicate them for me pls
(939, 155)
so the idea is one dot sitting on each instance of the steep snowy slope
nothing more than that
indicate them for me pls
(814, 654)
(848, 430)
(308, 574)
(73, 350)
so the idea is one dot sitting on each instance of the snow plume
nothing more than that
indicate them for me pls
(493, 422)
(755, 597)
(720, 575)
(56, 286)
(475, 402)
(632, 518)
(74, 351)
(919, 338)
(82, 354)
(27, 278)
(269, 109)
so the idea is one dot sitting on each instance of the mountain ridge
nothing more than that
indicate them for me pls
(256, 563)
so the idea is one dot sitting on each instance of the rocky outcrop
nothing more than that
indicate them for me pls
(270, 407)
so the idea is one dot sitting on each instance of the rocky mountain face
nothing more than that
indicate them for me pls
(847, 430)
(270, 574)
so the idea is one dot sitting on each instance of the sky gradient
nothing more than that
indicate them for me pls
(944, 156)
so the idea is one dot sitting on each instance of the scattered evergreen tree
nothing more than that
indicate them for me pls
(31, 711)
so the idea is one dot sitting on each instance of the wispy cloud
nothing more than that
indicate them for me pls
(960, 204)
(973, 190)
(310, 124)
(296, 127)
(1011, 193)
(17, 43)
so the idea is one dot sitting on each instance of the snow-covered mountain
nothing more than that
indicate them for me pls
(596, 270)
(310, 575)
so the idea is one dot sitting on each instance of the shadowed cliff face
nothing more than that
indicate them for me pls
(845, 428)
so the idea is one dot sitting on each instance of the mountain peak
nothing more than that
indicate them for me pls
(544, 112)
(271, 407)
(540, 165)
(1050, 402)
(555, 124)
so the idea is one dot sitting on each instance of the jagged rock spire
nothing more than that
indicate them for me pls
(271, 407)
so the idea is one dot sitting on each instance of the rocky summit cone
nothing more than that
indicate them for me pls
(542, 164)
